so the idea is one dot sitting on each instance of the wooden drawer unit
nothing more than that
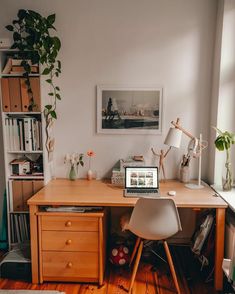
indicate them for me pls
(70, 241)
(70, 223)
(72, 246)
(70, 266)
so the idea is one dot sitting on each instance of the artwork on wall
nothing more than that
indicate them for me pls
(129, 110)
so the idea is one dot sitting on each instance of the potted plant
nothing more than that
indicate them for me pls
(223, 142)
(32, 37)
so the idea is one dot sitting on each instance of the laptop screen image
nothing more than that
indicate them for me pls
(141, 178)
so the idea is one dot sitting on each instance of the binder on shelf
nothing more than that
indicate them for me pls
(17, 195)
(7, 133)
(24, 95)
(5, 95)
(27, 192)
(15, 97)
(35, 85)
(16, 135)
(20, 69)
(27, 134)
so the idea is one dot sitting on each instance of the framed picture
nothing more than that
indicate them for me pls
(129, 110)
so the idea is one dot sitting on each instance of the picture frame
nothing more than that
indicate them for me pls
(129, 110)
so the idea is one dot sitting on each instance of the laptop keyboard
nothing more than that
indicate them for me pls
(147, 191)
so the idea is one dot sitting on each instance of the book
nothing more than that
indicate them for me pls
(20, 69)
(7, 67)
(5, 94)
(27, 134)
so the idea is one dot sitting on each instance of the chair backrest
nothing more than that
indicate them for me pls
(155, 219)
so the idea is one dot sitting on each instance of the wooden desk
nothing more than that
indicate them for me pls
(98, 193)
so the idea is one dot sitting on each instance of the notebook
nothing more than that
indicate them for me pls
(141, 182)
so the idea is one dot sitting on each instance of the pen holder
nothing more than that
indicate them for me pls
(184, 174)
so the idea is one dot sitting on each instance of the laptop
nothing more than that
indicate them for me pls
(141, 181)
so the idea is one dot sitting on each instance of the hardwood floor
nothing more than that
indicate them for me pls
(149, 279)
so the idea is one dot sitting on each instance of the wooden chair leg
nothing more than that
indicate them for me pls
(172, 268)
(134, 250)
(136, 266)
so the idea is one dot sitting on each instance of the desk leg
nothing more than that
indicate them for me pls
(34, 243)
(219, 248)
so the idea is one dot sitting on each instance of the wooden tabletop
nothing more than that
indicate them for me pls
(101, 193)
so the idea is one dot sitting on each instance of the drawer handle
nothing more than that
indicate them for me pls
(68, 242)
(69, 264)
(68, 224)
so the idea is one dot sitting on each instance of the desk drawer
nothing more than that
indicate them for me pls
(62, 266)
(70, 241)
(69, 223)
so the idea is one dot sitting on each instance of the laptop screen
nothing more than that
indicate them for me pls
(141, 177)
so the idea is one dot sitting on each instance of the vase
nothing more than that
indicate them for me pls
(184, 174)
(89, 175)
(73, 173)
(227, 179)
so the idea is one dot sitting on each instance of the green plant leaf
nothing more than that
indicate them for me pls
(49, 107)
(46, 71)
(9, 28)
(57, 88)
(59, 64)
(51, 18)
(21, 14)
(58, 96)
(53, 114)
(49, 81)
(51, 94)
(57, 43)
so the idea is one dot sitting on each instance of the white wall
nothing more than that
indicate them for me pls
(224, 85)
(134, 42)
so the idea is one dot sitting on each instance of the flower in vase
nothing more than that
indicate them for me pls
(90, 154)
(74, 159)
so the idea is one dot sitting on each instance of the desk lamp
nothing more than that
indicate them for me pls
(195, 147)
(173, 139)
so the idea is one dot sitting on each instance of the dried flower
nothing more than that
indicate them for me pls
(90, 153)
(74, 159)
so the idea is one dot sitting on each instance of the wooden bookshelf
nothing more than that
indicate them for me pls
(14, 102)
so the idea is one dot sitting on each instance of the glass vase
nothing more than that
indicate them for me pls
(73, 173)
(227, 179)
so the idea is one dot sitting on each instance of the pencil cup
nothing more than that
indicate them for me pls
(184, 174)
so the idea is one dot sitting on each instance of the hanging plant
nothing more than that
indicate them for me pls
(32, 37)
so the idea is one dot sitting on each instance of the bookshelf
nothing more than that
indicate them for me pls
(25, 156)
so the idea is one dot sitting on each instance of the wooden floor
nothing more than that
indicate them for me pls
(150, 279)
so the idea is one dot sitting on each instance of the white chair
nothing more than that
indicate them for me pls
(154, 219)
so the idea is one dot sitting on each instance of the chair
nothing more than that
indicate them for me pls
(154, 219)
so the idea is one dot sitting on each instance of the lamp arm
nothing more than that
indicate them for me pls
(176, 125)
(167, 151)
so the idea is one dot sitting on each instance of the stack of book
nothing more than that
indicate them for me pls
(23, 134)
(19, 227)
(118, 172)
(13, 66)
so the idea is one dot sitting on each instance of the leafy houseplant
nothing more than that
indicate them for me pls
(32, 37)
(223, 142)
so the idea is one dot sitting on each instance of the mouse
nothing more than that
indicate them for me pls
(172, 193)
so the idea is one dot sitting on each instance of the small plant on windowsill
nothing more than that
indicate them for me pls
(32, 37)
(223, 142)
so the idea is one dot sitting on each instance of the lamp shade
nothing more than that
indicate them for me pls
(173, 138)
